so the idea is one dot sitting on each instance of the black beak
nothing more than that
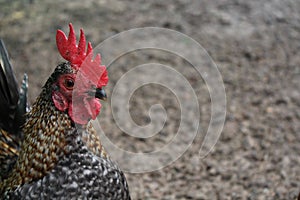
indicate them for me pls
(100, 94)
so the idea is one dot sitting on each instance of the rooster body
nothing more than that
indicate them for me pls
(57, 154)
(78, 174)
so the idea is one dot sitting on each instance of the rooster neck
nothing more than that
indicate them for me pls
(44, 142)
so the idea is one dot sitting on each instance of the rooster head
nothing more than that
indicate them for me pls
(78, 89)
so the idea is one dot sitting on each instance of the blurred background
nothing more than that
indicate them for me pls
(256, 47)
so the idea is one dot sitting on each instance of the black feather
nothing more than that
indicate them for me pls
(9, 94)
(13, 104)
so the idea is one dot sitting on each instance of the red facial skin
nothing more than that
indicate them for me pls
(77, 98)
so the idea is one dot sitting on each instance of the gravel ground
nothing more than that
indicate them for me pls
(256, 47)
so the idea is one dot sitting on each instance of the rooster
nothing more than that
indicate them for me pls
(53, 152)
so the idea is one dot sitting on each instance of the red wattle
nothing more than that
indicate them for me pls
(83, 110)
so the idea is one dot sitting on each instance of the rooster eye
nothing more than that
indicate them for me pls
(69, 83)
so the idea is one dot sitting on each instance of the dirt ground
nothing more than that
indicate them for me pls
(256, 47)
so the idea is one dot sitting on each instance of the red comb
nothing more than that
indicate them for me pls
(81, 58)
